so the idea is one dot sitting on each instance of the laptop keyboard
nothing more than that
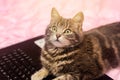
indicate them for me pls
(17, 65)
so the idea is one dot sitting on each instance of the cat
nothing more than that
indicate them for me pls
(70, 53)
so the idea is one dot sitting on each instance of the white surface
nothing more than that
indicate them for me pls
(40, 42)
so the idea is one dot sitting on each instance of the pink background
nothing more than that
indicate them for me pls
(24, 19)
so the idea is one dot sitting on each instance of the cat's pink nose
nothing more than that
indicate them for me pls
(58, 35)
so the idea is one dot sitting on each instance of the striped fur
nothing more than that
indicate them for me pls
(109, 39)
(98, 53)
(79, 55)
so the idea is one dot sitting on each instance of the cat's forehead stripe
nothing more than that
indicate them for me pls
(63, 22)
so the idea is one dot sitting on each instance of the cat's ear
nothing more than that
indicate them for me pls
(54, 14)
(79, 17)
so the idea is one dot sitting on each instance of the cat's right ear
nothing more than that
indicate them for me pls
(79, 17)
(54, 14)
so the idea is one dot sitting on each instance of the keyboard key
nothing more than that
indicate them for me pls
(17, 65)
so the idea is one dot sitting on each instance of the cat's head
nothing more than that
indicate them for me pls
(62, 32)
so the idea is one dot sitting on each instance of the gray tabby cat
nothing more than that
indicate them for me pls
(71, 54)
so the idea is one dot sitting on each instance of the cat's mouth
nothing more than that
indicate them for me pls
(59, 43)
(57, 40)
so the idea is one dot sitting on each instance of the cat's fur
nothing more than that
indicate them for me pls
(71, 54)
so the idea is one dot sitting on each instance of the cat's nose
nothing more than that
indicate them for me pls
(58, 35)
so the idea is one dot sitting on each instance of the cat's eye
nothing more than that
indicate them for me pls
(54, 28)
(67, 31)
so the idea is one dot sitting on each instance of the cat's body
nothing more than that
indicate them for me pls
(109, 40)
(71, 54)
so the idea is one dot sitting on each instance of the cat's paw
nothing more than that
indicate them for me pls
(64, 77)
(39, 75)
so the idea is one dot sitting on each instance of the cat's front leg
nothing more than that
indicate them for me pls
(39, 75)
(67, 77)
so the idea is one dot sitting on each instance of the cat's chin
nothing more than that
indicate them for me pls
(59, 44)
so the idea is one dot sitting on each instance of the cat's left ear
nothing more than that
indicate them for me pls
(79, 17)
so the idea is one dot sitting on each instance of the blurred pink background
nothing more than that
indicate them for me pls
(24, 19)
